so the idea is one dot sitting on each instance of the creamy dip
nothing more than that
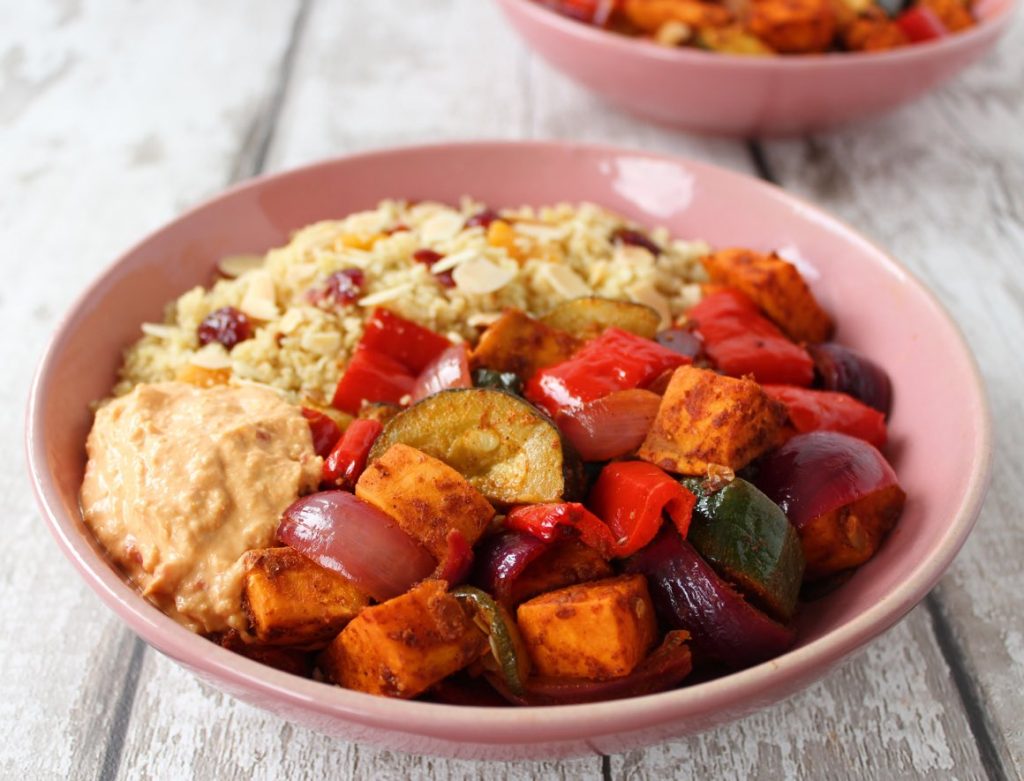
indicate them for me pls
(181, 481)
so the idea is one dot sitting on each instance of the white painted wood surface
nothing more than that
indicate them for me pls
(115, 116)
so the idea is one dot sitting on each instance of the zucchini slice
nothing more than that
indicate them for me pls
(504, 446)
(589, 316)
(749, 541)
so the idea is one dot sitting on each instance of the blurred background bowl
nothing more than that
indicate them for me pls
(939, 429)
(725, 94)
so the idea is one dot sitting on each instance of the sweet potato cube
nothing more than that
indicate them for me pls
(776, 286)
(564, 563)
(709, 419)
(291, 600)
(597, 631)
(426, 497)
(404, 646)
(517, 343)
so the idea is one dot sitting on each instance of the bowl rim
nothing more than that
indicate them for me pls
(994, 23)
(536, 725)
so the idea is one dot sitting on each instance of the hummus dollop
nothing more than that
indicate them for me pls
(181, 481)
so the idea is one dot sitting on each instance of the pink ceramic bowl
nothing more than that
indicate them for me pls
(749, 96)
(940, 427)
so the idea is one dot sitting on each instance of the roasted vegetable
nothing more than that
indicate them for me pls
(517, 343)
(296, 661)
(793, 26)
(507, 648)
(688, 594)
(562, 563)
(739, 341)
(775, 286)
(749, 541)
(426, 497)
(665, 667)
(818, 410)
(588, 317)
(406, 645)
(291, 600)
(347, 460)
(323, 429)
(500, 443)
(615, 361)
(596, 630)
(840, 494)
(842, 369)
(353, 538)
(706, 419)
(649, 15)
(612, 426)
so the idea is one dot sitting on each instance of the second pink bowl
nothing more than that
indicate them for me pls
(749, 96)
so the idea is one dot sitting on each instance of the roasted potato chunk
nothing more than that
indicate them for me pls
(849, 536)
(426, 497)
(565, 563)
(707, 419)
(776, 287)
(291, 600)
(793, 26)
(649, 15)
(598, 631)
(587, 317)
(517, 343)
(404, 646)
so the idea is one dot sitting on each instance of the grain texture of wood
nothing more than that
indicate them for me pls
(115, 120)
(956, 218)
(111, 124)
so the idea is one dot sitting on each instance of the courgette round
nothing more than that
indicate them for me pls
(504, 446)
(749, 541)
(590, 315)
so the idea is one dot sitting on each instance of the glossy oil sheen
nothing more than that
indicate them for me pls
(881, 310)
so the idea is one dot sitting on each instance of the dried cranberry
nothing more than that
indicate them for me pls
(426, 256)
(445, 278)
(635, 239)
(341, 287)
(483, 219)
(226, 325)
(680, 340)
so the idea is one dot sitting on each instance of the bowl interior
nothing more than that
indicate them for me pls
(938, 425)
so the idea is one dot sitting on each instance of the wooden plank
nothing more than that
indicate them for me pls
(951, 171)
(111, 124)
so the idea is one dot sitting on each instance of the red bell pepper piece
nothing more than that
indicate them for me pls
(347, 460)
(371, 376)
(412, 345)
(740, 341)
(548, 522)
(920, 24)
(815, 410)
(616, 360)
(631, 495)
(324, 430)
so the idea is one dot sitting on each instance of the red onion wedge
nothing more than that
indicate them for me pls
(663, 669)
(838, 491)
(345, 534)
(502, 558)
(449, 370)
(838, 368)
(611, 426)
(688, 594)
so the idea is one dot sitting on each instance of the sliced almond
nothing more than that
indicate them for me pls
(382, 296)
(259, 299)
(480, 276)
(455, 259)
(159, 330)
(213, 357)
(482, 319)
(235, 265)
(441, 226)
(564, 281)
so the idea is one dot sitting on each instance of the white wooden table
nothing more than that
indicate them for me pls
(115, 116)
